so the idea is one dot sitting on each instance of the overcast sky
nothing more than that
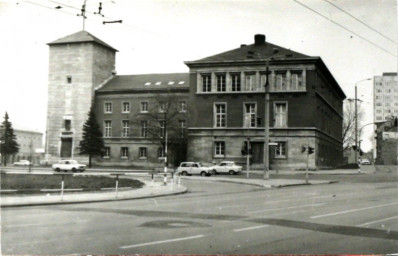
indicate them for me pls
(158, 36)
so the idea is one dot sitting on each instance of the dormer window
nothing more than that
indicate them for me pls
(158, 83)
(181, 82)
(171, 82)
(147, 83)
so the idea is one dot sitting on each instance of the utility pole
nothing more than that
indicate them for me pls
(266, 125)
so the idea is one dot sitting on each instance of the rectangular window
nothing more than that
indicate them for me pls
(162, 125)
(235, 82)
(219, 148)
(162, 107)
(280, 84)
(221, 82)
(249, 82)
(280, 150)
(144, 128)
(108, 107)
(108, 128)
(142, 154)
(144, 107)
(107, 152)
(69, 79)
(220, 115)
(250, 115)
(161, 152)
(280, 114)
(125, 128)
(182, 125)
(67, 125)
(296, 81)
(124, 152)
(206, 83)
(183, 106)
(126, 107)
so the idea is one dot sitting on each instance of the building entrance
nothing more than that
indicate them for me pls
(66, 147)
(257, 152)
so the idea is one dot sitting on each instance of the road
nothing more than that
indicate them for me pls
(358, 215)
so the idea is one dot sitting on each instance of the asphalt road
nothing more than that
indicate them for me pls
(358, 215)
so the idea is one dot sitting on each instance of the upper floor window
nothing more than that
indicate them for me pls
(126, 107)
(183, 126)
(162, 107)
(69, 79)
(125, 128)
(220, 115)
(144, 106)
(280, 82)
(219, 148)
(108, 107)
(67, 124)
(183, 106)
(250, 115)
(235, 78)
(296, 78)
(144, 128)
(206, 83)
(162, 126)
(221, 83)
(280, 114)
(107, 128)
(249, 82)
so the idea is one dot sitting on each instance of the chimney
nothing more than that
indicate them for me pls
(259, 39)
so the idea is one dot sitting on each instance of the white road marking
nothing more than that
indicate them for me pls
(162, 242)
(24, 225)
(250, 228)
(372, 222)
(353, 210)
(284, 208)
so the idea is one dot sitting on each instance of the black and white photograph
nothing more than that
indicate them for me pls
(199, 127)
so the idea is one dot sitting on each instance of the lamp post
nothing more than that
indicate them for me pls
(356, 118)
(266, 125)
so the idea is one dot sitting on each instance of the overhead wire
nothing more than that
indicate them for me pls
(349, 14)
(345, 28)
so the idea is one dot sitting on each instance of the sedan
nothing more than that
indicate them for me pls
(228, 167)
(22, 163)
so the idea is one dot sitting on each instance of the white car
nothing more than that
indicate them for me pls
(365, 161)
(22, 163)
(226, 167)
(189, 168)
(69, 165)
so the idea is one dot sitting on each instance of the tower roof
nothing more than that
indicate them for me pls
(80, 37)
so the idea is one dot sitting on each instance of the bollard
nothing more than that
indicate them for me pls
(117, 184)
(62, 187)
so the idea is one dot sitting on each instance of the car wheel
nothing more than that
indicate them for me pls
(231, 172)
(57, 169)
(73, 169)
(184, 173)
(203, 174)
(213, 172)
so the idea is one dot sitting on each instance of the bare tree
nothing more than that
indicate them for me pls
(349, 124)
(163, 124)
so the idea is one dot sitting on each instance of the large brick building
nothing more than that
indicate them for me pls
(221, 101)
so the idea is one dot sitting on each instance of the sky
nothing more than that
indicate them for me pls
(157, 36)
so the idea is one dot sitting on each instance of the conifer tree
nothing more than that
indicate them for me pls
(92, 143)
(8, 140)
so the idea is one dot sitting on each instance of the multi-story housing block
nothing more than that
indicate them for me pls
(305, 107)
(385, 90)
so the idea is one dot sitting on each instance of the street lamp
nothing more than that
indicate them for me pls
(356, 118)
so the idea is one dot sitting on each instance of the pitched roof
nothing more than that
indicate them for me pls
(79, 37)
(260, 50)
(146, 82)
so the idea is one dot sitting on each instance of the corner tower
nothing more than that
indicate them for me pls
(78, 63)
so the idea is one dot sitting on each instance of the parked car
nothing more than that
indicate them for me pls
(365, 161)
(69, 165)
(22, 163)
(226, 167)
(190, 168)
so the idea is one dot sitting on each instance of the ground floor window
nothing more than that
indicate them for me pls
(161, 152)
(219, 148)
(124, 152)
(107, 152)
(142, 153)
(280, 149)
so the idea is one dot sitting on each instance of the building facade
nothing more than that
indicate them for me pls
(305, 107)
(385, 91)
(387, 142)
(78, 64)
(217, 107)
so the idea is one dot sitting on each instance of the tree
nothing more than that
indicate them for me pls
(92, 143)
(8, 140)
(349, 124)
(163, 124)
